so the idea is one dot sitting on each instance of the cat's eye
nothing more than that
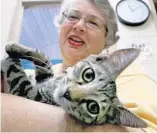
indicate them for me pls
(93, 107)
(88, 75)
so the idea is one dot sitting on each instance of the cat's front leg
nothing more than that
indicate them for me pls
(18, 82)
(41, 62)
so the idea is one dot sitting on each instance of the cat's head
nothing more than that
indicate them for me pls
(88, 91)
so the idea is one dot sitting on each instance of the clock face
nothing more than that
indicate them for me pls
(132, 12)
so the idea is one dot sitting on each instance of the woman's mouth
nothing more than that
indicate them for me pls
(75, 41)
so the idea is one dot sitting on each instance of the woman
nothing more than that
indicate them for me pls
(82, 32)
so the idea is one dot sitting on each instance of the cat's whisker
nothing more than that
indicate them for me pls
(114, 106)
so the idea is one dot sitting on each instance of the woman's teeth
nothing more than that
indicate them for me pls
(77, 40)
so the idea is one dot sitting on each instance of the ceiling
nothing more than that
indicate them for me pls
(38, 30)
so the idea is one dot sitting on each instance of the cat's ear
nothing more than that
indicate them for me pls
(127, 118)
(120, 59)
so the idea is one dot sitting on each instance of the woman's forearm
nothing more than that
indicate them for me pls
(20, 114)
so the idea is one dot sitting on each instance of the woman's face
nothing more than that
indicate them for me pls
(77, 40)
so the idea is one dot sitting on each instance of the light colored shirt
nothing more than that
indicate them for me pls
(138, 92)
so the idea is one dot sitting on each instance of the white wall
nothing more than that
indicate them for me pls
(149, 28)
(145, 34)
(12, 13)
(8, 7)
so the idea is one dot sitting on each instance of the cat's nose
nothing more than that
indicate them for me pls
(67, 95)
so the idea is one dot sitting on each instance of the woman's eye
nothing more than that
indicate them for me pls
(93, 107)
(73, 17)
(88, 75)
(93, 23)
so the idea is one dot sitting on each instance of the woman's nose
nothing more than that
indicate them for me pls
(80, 25)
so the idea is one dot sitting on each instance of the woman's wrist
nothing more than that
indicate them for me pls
(20, 114)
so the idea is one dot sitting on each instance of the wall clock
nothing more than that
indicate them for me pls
(132, 12)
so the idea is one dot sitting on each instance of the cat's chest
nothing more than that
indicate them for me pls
(49, 84)
(47, 89)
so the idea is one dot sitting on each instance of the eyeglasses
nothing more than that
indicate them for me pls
(91, 21)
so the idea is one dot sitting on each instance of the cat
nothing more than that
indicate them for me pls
(87, 90)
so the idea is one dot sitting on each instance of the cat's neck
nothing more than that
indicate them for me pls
(59, 68)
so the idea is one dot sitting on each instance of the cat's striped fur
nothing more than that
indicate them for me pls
(87, 90)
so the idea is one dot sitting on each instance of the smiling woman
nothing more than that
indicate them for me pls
(92, 28)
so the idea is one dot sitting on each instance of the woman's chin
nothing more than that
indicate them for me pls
(76, 54)
(73, 55)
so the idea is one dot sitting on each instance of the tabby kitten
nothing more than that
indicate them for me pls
(87, 90)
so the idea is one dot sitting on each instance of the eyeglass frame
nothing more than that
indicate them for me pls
(75, 21)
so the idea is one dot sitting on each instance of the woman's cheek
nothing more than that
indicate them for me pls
(64, 32)
(96, 45)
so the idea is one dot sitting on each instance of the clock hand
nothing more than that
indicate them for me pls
(137, 7)
(133, 7)
(130, 7)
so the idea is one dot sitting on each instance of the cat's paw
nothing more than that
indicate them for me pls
(16, 47)
(17, 50)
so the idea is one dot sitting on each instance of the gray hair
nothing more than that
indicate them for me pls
(109, 14)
